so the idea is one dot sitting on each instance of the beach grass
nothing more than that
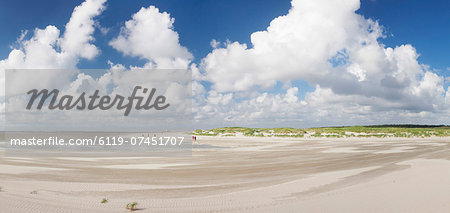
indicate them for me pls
(131, 206)
(405, 130)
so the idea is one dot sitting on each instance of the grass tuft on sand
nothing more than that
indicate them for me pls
(131, 206)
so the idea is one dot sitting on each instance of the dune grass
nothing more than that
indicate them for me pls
(131, 206)
(344, 131)
(104, 200)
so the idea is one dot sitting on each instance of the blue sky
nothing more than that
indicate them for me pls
(197, 22)
(382, 73)
(425, 25)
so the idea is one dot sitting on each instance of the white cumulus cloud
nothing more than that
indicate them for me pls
(150, 35)
(336, 50)
(356, 79)
(46, 49)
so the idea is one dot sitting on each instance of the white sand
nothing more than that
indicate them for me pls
(397, 149)
(343, 150)
(103, 158)
(144, 166)
(10, 169)
(248, 175)
(425, 187)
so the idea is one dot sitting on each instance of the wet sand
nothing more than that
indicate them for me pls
(241, 174)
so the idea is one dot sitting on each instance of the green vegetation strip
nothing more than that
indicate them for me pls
(338, 132)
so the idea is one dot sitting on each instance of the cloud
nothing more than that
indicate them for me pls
(79, 29)
(214, 43)
(150, 35)
(47, 49)
(148, 29)
(60, 52)
(327, 44)
(356, 78)
(298, 45)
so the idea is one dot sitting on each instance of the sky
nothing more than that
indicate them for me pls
(268, 63)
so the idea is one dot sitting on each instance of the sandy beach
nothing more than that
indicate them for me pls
(241, 174)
